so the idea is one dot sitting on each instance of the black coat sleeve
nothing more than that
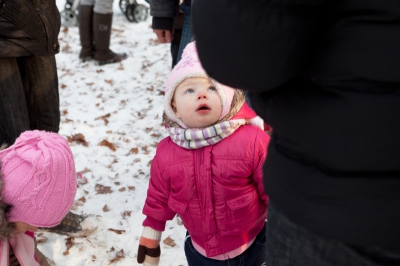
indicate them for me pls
(256, 45)
(164, 8)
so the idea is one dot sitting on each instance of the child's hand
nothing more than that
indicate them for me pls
(149, 247)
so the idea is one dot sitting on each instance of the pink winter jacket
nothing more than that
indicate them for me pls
(216, 190)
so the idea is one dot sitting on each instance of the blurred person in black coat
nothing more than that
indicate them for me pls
(325, 75)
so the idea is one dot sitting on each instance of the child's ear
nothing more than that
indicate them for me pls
(175, 110)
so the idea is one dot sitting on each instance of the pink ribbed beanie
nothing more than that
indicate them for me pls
(189, 66)
(39, 178)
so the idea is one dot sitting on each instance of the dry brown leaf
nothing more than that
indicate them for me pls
(134, 150)
(131, 187)
(169, 241)
(122, 189)
(107, 144)
(42, 239)
(99, 70)
(117, 30)
(65, 30)
(69, 242)
(84, 171)
(126, 213)
(66, 48)
(100, 189)
(76, 204)
(144, 148)
(83, 199)
(65, 112)
(79, 138)
(63, 86)
(154, 135)
(105, 208)
(90, 83)
(109, 81)
(104, 118)
(116, 231)
(121, 67)
(148, 129)
(120, 255)
(67, 73)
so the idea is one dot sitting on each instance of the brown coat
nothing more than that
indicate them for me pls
(29, 27)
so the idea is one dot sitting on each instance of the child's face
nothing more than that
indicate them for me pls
(22, 227)
(197, 103)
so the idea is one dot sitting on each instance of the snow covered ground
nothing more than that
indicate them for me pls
(111, 116)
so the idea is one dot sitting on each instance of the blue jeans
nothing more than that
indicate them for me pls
(28, 96)
(291, 245)
(187, 33)
(255, 255)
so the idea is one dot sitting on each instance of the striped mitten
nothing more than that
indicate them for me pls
(149, 247)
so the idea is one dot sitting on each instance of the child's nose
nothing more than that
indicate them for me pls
(202, 95)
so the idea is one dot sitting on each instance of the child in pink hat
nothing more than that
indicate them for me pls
(209, 171)
(37, 188)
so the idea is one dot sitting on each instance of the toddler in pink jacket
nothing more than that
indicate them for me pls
(209, 171)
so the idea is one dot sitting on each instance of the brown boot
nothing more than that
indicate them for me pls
(85, 18)
(102, 33)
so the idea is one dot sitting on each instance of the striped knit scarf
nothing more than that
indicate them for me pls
(198, 138)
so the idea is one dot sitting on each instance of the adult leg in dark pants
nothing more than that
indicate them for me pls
(28, 96)
(291, 245)
(13, 111)
(40, 82)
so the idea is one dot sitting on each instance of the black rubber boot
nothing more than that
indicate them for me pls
(102, 33)
(85, 19)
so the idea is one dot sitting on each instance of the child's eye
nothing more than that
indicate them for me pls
(212, 88)
(189, 90)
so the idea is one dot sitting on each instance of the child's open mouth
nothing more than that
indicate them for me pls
(203, 108)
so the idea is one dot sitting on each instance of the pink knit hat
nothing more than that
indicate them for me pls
(39, 178)
(190, 67)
